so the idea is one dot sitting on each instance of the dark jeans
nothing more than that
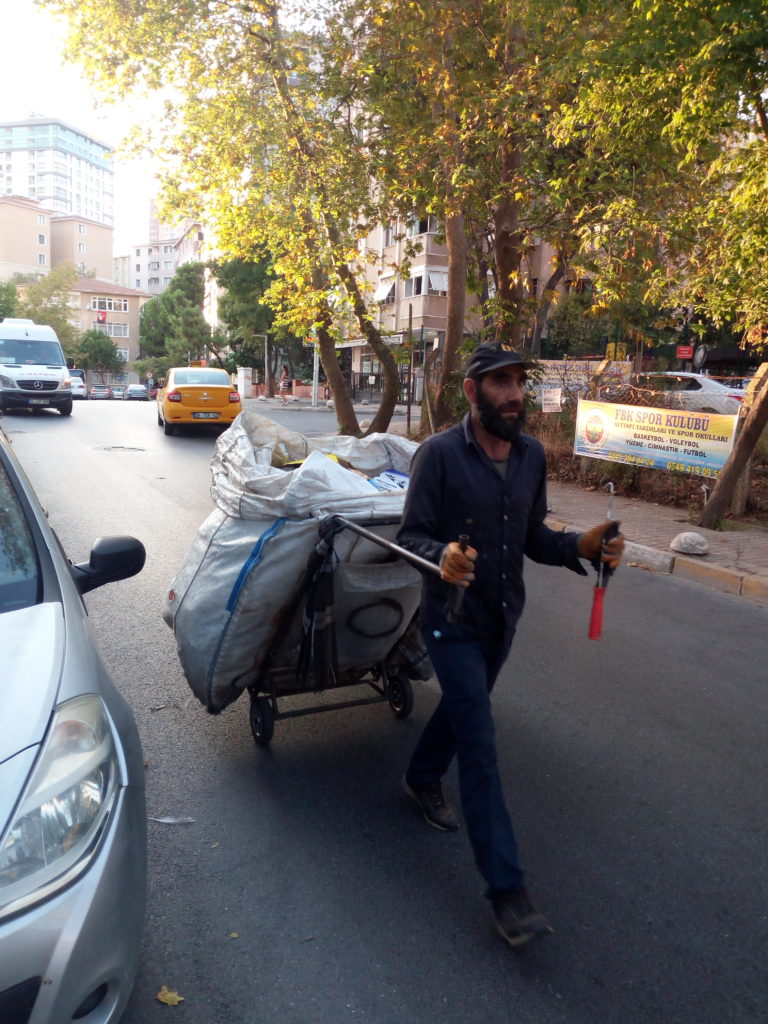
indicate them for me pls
(462, 725)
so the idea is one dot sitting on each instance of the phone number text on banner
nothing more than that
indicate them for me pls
(686, 442)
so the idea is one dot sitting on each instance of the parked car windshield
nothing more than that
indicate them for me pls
(17, 351)
(19, 568)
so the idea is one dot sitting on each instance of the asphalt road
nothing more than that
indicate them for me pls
(308, 890)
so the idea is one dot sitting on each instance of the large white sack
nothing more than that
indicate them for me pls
(245, 484)
(248, 560)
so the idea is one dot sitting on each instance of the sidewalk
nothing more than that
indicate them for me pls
(737, 562)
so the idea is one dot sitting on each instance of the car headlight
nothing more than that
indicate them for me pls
(54, 832)
(7, 382)
(65, 385)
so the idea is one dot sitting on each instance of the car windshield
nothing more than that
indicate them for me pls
(202, 376)
(20, 576)
(21, 352)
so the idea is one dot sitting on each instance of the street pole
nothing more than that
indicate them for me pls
(315, 373)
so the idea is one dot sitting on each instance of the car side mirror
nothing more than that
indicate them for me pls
(112, 559)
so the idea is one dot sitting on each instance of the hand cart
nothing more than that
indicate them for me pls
(352, 622)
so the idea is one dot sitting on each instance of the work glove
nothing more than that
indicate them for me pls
(457, 566)
(590, 545)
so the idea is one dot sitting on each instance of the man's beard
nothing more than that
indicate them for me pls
(491, 417)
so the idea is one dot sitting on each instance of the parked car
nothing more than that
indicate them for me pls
(118, 391)
(196, 395)
(72, 804)
(676, 390)
(100, 391)
(79, 390)
(136, 393)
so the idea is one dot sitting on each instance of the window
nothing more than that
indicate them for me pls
(385, 292)
(81, 266)
(81, 247)
(138, 283)
(167, 280)
(414, 286)
(167, 264)
(41, 239)
(110, 305)
(422, 225)
(154, 265)
(437, 282)
(113, 330)
(388, 234)
(138, 270)
(167, 248)
(81, 229)
(138, 252)
(153, 281)
(41, 259)
(124, 354)
(41, 218)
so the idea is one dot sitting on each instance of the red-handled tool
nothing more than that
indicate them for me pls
(603, 575)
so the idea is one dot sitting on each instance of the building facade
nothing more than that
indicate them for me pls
(63, 169)
(85, 243)
(114, 310)
(25, 237)
(152, 265)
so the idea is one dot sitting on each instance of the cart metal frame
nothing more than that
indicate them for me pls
(391, 685)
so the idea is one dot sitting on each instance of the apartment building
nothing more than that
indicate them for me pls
(83, 242)
(152, 265)
(25, 237)
(419, 303)
(60, 167)
(113, 309)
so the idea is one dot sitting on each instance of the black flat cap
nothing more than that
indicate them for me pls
(492, 355)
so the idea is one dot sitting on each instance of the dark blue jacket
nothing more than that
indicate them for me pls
(455, 488)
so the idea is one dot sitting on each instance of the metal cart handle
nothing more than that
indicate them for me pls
(417, 560)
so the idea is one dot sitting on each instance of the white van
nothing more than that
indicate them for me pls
(33, 372)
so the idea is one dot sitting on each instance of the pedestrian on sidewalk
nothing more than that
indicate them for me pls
(485, 479)
(284, 385)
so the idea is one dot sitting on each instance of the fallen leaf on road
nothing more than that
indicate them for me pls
(168, 997)
(234, 935)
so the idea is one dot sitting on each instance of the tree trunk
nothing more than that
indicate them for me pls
(456, 241)
(391, 390)
(754, 425)
(507, 224)
(269, 379)
(346, 418)
(546, 301)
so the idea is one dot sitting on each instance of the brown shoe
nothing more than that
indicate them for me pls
(435, 808)
(517, 920)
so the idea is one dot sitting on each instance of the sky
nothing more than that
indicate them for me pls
(38, 81)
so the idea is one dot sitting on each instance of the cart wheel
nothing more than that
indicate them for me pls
(400, 694)
(262, 720)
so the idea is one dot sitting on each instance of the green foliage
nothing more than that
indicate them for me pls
(48, 299)
(172, 324)
(8, 299)
(97, 352)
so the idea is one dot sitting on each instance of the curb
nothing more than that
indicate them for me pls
(708, 574)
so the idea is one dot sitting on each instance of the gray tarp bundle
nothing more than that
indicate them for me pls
(248, 561)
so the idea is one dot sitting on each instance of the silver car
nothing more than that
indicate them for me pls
(72, 808)
(693, 391)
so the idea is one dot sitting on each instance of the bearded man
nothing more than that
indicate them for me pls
(486, 480)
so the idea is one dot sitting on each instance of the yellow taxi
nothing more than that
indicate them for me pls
(196, 395)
